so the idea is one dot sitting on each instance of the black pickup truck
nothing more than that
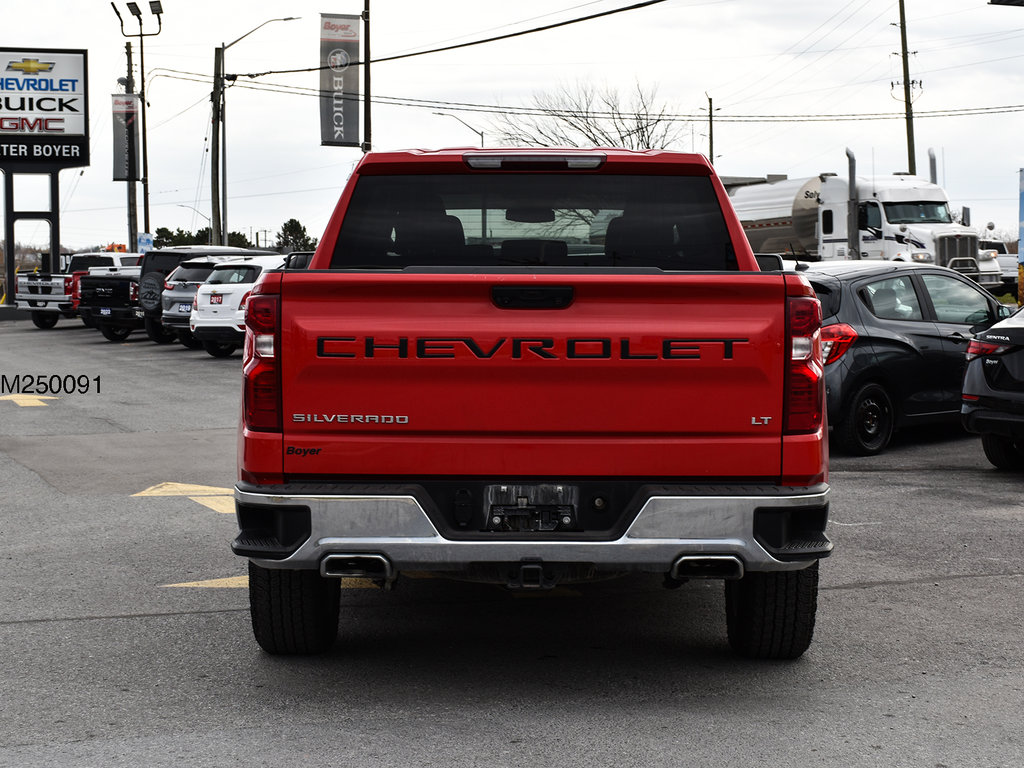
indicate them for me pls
(122, 303)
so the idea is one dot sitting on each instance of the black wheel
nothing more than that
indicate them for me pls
(771, 615)
(220, 349)
(293, 612)
(156, 331)
(44, 320)
(1003, 452)
(867, 425)
(114, 332)
(188, 339)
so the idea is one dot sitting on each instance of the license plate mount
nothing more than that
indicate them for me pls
(531, 507)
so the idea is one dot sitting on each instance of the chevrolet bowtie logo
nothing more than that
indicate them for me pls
(30, 66)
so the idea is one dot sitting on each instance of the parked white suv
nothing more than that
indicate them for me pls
(218, 312)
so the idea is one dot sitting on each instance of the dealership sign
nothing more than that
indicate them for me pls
(339, 80)
(44, 109)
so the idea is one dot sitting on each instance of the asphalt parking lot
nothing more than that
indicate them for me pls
(124, 615)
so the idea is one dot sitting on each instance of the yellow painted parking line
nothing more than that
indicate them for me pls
(28, 401)
(232, 582)
(184, 489)
(218, 499)
(223, 504)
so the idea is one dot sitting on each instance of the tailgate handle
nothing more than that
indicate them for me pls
(532, 296)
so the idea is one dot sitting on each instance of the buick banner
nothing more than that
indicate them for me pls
(126, 134)
(339, 80)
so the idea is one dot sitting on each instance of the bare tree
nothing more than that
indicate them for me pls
(581, 115)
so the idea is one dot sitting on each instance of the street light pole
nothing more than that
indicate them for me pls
(209, 228)
(157, 10)
(456, 117)
(219, 135)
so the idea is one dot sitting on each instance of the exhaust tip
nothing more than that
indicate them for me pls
(707, 567)
(357, 566)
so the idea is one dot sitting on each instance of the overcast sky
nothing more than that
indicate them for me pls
(792, 60)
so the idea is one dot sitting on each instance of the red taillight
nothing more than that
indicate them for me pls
(982, 348)
(805, 379)
(133, 294)
(243, 305)
(67, 286)
(835, 340)
(261, 370)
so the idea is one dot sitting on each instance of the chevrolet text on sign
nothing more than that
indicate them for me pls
(44, 108)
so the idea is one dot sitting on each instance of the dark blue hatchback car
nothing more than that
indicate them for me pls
(894, 338)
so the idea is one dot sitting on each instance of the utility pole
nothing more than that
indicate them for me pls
(711, 129)
(366, 76)
(711, 132)
(218, 137)
(911, 154)
(217, 98)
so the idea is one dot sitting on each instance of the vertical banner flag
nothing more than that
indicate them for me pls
(127, 163)
(339, 81)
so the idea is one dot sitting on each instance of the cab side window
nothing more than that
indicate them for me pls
(870, 216)
(892, 299)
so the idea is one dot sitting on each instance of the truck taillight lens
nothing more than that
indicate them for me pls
(134, 292)
(67, 286)
(261, 369)
(805, 377)
(835, 340)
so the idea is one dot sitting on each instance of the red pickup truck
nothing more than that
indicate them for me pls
(533, 367)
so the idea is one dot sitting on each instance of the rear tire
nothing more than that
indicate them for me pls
(770, 615)
(867, 427)
(1002, 451)
(220, 349)
(189, 340)
(293, 612)
(156, 331)
(44, 320)
(114, 332)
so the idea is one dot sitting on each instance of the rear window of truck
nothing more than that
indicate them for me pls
(494, 220)
(82, 263)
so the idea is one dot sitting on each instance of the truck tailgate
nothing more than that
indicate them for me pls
(553, 375)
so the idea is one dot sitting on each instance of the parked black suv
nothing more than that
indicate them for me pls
(120, 304)
(993, 392)
(893, 339)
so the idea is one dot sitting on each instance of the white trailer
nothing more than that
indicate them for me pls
(899, 217)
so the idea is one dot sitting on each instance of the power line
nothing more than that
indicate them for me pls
(457, 106)
(495, 38)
